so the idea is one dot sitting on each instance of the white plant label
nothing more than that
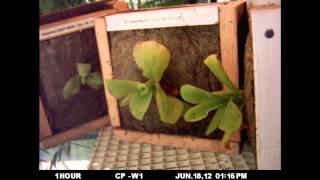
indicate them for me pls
(175, 17)
(58, 30)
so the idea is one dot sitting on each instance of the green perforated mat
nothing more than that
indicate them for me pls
(112, 154)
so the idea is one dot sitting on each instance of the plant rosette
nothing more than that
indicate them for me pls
(84, 77)
(228, 116)
(153, 59)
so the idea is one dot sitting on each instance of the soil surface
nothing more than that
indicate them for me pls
(188, 46)
(58, 58)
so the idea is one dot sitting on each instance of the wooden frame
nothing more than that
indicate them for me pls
(226, 15)
(60, 28)
(81, 22)
(267, 78)
(80, 10)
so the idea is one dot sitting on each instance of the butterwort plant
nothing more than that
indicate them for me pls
(83, 77)
(153, 59)
(226, 103)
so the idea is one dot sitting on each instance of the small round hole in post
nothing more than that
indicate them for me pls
(269, 33)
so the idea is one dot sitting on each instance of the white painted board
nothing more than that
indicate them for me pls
(65, 28)
(267, 79)
(173, 17)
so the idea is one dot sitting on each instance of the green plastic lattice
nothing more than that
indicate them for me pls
(111, 154)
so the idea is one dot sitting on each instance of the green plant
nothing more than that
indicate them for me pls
(228, 116)
(153, 59)
(58, 155)
(161, 3)
(84, 76)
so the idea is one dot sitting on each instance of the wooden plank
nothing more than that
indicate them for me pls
(189, 142)
(71, 25)
(160, 18)
(175, 6)
(105, 61)
(75, 11)
(75, 133)
(44, 127)
(118, 7)
(60, 28)
(78, 23)
(267, 75)
(229, 15)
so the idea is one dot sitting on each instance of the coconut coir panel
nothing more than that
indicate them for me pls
(188, 46)
(58, 58)
(249, 92)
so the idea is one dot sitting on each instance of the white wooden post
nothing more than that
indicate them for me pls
(266, 33)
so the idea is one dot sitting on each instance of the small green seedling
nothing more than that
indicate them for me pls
(228, 116)
(84, 76)
(153, 59)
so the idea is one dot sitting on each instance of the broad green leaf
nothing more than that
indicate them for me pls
(200, 111)
(170, 108)
(214, 123)
(72, 87)
(83, 69)
(152, 57)
(216, 68)
(125, 101)
(231, 120)
(194, 95)
(139, 104)
(121, 88)
(94, 80)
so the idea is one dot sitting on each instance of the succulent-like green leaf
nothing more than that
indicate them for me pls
(194, 95)
(216, 68)
(224, 94)
(227, 95)
(94, 80)
(121, 88)
(152, 57)
(170, 108)
(139, 104)
(200, 111)
(214, 123)
(83, 69)
(72, 87)
(231, 120)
